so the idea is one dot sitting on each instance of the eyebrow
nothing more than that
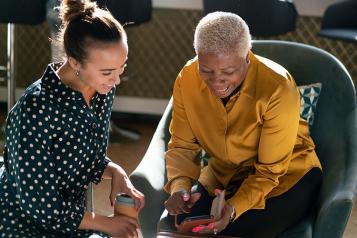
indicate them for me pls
(230, 67)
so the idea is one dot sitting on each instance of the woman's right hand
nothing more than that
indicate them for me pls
(181, 202)
(115, 226)
(121, 226)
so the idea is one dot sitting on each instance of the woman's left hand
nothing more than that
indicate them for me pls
(122, 184)
(222, 223)
(219, 225)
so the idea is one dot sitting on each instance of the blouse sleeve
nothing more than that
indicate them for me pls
(34, 172)
(277, 140)
(102, 164)
(183, 148)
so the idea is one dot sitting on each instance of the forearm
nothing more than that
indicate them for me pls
(182, 167)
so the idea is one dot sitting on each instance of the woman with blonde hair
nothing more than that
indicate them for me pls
(243, 111)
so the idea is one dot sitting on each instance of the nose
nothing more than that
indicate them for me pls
(117, 80)
(216, 79)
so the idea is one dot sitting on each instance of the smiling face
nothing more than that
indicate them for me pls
(222, 73)
(103, 66)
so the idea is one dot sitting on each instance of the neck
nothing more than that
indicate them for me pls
(68, 77)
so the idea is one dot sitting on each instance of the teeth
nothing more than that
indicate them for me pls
(222, 90)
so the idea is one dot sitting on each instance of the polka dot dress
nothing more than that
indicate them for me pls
(55, 145)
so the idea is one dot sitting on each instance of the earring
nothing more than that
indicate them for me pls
(77, 73)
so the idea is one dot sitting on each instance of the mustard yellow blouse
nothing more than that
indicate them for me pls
(258, 144)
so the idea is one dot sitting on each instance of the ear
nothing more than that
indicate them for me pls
(247, 58)
(75, 65)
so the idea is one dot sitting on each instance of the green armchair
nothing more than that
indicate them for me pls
(334, 132)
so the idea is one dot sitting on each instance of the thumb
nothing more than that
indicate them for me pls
(185, 195)
(194, 198)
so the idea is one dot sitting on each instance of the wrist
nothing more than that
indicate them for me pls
(111, 170)
(179, 184)
(91, 221)
(108, 171)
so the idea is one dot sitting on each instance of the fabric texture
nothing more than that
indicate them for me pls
(55, 146)
(257, 139)
(309, 97)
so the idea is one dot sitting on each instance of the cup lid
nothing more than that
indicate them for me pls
(124, 198)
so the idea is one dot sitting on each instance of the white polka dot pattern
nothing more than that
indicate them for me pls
(55, 145)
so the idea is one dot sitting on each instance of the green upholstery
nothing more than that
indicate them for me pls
(334, 132)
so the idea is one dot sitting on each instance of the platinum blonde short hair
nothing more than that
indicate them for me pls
(222, 32)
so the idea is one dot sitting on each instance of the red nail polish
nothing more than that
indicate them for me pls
(217, 191)
(211, 225)
(196, 229)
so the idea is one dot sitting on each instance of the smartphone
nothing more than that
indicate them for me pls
(195, 218)
(193, 221)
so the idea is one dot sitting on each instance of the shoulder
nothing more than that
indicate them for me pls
(32, 104)
(189, 69)
(270, 70)
(189, 77)
(273, 79)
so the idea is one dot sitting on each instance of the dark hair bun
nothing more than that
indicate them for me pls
(72, 9)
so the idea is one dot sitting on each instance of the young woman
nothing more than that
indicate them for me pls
(57, 135)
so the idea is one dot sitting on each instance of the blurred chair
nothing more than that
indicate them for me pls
(334, 132)
(131, 11)
(264, 18)
(23, 11)
(339, 21)
(17, 12)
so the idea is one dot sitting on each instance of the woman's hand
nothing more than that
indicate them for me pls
(116, 226)
(122, 184)
(181, 202)
(121, 226)
(222, 223)
(219, 225)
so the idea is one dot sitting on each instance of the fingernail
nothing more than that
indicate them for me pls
(217, 190)
(211, 225)
(197, 229)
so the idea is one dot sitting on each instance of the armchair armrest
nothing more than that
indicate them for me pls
(150, 176)
(338, 199)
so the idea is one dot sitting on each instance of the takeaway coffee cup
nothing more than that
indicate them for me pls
(125, 205)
